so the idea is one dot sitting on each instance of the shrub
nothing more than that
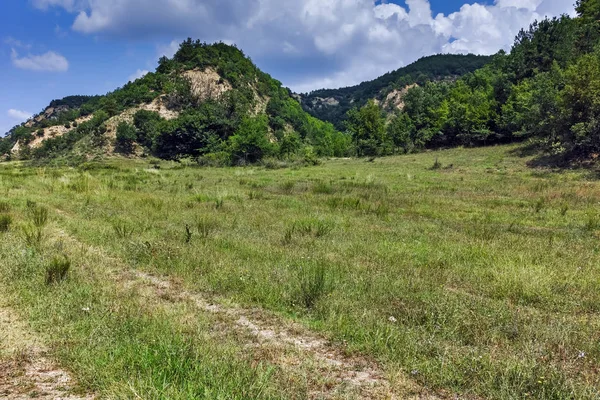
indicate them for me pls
(57, 270)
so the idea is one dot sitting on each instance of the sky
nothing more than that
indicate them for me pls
(50, 49)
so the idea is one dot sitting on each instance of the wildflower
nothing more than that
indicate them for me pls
(392, 320)
(85, 309)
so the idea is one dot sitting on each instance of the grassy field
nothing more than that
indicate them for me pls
(479, 277)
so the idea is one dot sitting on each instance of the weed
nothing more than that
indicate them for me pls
(436, 165)
(39, 216)
(33, 235)
(4, 207)
(206, 226)
(564, 208)
(539, 205)
(287, 187)
(123, 229)
(5, 222)
(188, 234)
(592, 223)
(308, 227)
(219, 203)
(256, 195)
(57, 270)
(322, 188)
(312, 283)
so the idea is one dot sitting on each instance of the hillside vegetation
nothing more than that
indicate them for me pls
(332, 105)
(463, 271)
(211, 103)
(207, 101)
(546, 89)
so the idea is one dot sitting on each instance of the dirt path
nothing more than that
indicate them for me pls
(341, 375)
(26, 372)
(329, 371)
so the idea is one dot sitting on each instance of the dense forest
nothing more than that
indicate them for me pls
(442, 67)
(546, 89)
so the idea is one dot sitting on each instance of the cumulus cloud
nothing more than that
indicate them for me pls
(19, 115)
(349, 40)
(50, 61)
(140, 73)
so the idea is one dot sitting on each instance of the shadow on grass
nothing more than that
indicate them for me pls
(567, 161)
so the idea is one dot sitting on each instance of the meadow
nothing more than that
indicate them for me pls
(461, 272)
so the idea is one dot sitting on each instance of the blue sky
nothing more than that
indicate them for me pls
(53, 48)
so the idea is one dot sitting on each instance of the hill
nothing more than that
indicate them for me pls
(332, 105)
(208, 101)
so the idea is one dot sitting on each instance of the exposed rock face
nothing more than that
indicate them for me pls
(395, 99)
(54, 131)
(207, 84)
(320, 102)
(16, 148)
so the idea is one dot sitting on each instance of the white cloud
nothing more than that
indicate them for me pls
(137, 75)
(50, 61)
(19, 115)
(349, 40)
(168, 50)
(15, 43)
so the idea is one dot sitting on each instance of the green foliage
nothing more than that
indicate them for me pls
(313, 283)
(588, 10)
(39, 216)
(367, 127)
(251, 141)
(427, 69)
(147, 125)
(126, 137)
(57, 270)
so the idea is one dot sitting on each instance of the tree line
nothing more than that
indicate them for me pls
(546, 89)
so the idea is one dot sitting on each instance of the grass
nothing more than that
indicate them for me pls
(479, 280)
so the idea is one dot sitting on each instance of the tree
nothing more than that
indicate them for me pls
(367, 127)
(290, 144)
(401, 131)
(147, 124)
(588, 10)
(126, 136)
(250, 142)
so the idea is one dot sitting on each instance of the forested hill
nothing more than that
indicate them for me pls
(332, 104)
(208, 102)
